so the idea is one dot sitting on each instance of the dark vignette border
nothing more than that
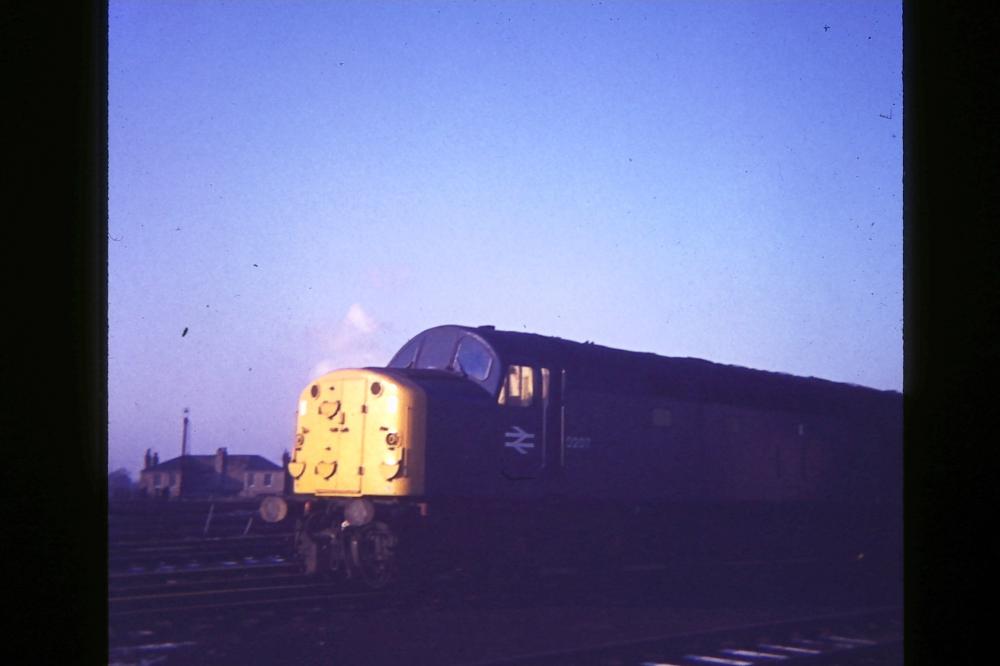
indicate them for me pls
(950, 315)
(54, 366)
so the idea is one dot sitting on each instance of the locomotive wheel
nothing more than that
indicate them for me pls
(372, 554)
(315, 544)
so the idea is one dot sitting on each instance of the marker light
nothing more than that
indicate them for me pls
(392, 404)
(302, 407)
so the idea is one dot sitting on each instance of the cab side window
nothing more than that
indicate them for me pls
(518, 386)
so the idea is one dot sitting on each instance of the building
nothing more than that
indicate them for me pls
(219, 475)
(120, 485)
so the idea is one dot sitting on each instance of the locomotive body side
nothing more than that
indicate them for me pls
(680, 458)
(519, 446)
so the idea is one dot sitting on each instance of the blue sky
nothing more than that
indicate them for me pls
(307, 185)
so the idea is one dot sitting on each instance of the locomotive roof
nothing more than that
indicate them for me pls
(679, 377)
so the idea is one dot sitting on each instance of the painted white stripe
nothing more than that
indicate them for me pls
(164, 646)
(850, 640)
(717, 660)
(789, 648)
(754, 654)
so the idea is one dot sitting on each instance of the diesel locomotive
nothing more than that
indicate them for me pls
(479, 445)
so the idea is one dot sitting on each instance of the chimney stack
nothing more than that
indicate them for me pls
(184, 434)
(220, 460)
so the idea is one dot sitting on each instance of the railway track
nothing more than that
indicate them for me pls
(194, 584)
(179, 616)
(272, 591)
(151, 556)
(196, 577)
(273, 614)
(166, 538)
(184, 627)
(870, 637)
(147, 520)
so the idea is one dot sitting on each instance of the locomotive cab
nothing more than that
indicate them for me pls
(361, 445)
(500, 423)
(363, 432)
(455, 396)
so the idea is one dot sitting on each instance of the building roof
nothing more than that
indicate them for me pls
(247, 463)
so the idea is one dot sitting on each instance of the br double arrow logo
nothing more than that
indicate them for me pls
(520, 440)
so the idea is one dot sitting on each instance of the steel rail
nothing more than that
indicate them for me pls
(268, 601)
(801, 641)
